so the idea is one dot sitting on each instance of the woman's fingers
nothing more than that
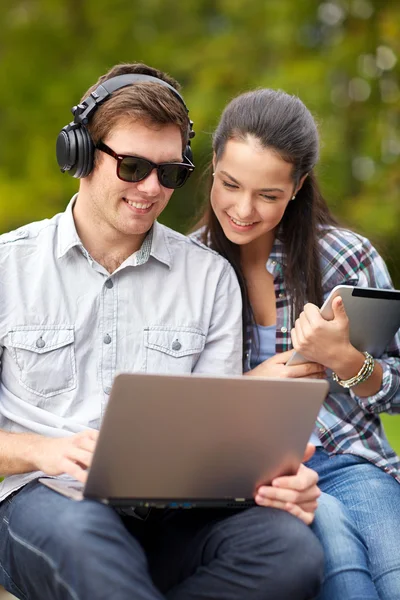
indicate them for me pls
(309, 369)
(296, 510)
(293, 496)
(303, 515)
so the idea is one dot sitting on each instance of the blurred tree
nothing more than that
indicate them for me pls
(340, 56)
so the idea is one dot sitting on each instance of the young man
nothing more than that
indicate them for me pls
(103, 288)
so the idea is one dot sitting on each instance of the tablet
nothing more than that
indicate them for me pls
(374, 316)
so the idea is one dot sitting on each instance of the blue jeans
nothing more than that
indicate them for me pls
(52, 548)
(358, 524)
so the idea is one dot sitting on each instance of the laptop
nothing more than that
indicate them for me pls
(193, 441)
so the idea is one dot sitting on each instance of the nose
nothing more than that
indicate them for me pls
(150, 186)
(244, 207)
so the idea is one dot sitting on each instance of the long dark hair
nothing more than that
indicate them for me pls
(280, 122)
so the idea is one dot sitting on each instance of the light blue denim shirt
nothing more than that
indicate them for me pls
(67, 326)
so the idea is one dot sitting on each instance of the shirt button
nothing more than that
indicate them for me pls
(109, 284)
(107, 339)
(281, 295)
(283, 330)
(176, 345)
(322, 431)
(40, 343)
(273, 262)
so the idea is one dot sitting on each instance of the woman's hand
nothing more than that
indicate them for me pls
(276, 367)
(314, 337)
(297, 494)
(324, 341)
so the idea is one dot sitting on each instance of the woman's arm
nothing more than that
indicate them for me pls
(329, 341)
(348, 258)
(313, 336)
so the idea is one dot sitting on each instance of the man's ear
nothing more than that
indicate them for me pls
(302, 180)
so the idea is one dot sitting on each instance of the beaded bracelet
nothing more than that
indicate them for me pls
(362, 375)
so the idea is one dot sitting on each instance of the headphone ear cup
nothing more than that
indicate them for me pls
(188, 153)
(66, 149)
(90, 154)
(85, 152)
(75, 151)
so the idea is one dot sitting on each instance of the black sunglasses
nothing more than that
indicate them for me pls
(134, 168)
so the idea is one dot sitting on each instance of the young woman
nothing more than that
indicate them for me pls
(266, 215)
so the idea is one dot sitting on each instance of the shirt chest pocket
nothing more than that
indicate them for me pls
(45, 358)
(172, 349)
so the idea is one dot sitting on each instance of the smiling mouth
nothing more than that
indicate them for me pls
(242, 223)
(139, 205)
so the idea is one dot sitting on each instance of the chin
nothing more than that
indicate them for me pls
(240, 239)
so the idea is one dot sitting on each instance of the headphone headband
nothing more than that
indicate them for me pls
(75, 148)
(82, 113)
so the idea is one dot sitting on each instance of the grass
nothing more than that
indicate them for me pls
(392, 428)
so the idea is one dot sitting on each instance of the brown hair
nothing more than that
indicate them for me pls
(280, 122)
(147, 102)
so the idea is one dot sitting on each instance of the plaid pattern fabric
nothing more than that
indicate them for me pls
(347, 423)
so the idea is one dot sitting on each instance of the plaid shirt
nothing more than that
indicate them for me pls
(349, 423)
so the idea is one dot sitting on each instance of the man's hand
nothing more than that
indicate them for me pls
(276, 367)
(71, 455)
(297, 494)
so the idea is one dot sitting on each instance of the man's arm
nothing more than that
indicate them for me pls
(222, 354)
(26, 452)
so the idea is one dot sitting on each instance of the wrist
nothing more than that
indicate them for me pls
(33, 452)
(349, 363)
(367, 369)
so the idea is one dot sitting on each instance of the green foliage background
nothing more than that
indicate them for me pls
(340, 56)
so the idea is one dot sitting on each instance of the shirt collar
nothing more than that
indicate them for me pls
(160, 247)
(155, 244)
(277, 257)
(67, 235)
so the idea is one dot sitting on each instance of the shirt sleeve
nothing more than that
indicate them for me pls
(222, 354)
(372, 272)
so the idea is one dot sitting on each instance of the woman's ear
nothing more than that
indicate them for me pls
(300, 185)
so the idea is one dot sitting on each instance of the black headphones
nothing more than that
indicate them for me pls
(75, 148)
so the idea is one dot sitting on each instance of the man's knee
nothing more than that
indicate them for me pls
(303, 562)
(278, 550)
(298, 559)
